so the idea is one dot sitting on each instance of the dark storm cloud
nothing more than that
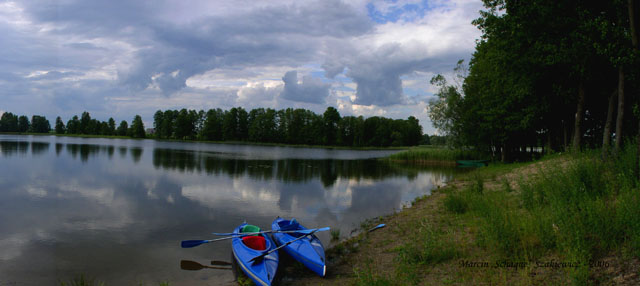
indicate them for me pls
(310, 90)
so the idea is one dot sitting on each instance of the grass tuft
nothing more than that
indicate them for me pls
(455, 204)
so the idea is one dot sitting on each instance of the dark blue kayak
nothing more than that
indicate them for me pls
(261, 271)
(309, 250)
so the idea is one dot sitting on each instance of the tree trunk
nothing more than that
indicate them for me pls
(620, 109)
(635, 34)
(606, 135)
(548, 145)
(504, 153)
(577, 131)
(633, 22)
(564, 130)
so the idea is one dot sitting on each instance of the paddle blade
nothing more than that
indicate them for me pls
(377, 227)
(225, 233)
(190, 265)
(192, 243)
(312, 230)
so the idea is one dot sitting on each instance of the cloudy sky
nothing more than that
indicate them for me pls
(119, 58)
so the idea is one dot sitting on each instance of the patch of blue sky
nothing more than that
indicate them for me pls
(343, 88)
(396, 11)
(320, 75)
(412, 92)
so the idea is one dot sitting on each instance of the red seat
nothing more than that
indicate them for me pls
(255, 242)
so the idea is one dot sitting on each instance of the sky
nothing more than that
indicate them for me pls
(121, 58)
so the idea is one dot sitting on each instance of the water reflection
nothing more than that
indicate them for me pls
(39, 148)
(77, 151)
(136, 154)
(288, 170)
(9, 148)
(80, 209)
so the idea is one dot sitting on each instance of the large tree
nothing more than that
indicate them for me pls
(331, 118)
(59, 127)
(40, 124)
(137, 127)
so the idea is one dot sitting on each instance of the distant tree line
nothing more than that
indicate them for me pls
(84, 125)
(10, 122)
(438, 140)
(89, 126)
(288, 126)
(546, 74)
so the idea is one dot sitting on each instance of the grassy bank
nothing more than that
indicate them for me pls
(435, 155)
(562, 220)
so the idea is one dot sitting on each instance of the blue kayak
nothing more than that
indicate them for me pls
(261, 271)
(309, 250)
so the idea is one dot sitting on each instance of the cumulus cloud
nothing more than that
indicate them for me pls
(432, 42)
(311, 90)
(259, 94)
(127, 57)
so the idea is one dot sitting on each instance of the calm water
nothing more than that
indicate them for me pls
(116, 210)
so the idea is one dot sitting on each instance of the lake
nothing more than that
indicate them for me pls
(116, 209)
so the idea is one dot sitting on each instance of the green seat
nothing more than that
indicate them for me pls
(250, 228)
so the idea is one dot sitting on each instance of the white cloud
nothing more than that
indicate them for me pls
(121, 58)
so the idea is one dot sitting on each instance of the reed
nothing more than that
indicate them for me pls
(421, 153)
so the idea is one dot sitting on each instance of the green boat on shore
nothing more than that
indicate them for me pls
(472, 163)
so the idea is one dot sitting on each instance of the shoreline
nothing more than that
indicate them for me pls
(429, 244)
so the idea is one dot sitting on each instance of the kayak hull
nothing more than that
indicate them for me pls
(309, 250)
(263, 271)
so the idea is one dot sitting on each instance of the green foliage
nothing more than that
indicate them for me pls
(583, 210)
(289, 126)
(60, 128)
(531, 66)
(137, 127)
(23, 124)
(73, 125)
(8, 122)
(444, 111)
(123, 128)
(335, 235)
(40, 124)
(367, 277)
(427, 246)
(455, 204)
(330, 118)
(436, 154)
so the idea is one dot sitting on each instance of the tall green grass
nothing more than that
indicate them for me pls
(582, 211)
(435, 154)
(367, 277)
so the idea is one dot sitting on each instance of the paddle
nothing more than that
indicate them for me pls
(255, 259)
(192, 265)
(303, 231)
(377, 227)
(194, 243)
